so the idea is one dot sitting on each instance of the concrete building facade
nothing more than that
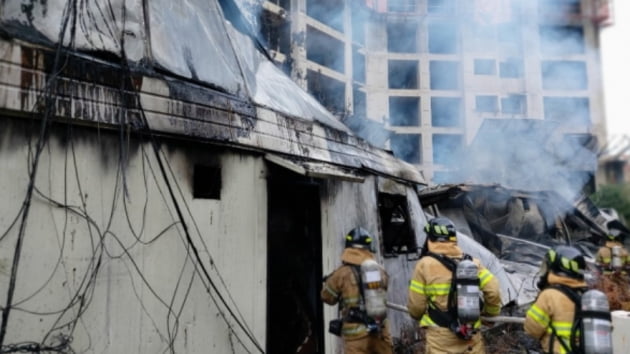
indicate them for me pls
(420, 77)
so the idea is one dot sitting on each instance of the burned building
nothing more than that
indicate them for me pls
(419, 77)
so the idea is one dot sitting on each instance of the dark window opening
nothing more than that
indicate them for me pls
(561, 40)
(398, 236)
(485, 67)
(511, 68)
(514, 104)
(446, 149)
(559, 7)
(574, 110)
(207, 182)
(403, 74)
(407, 147)
(275, 32)
(445, 111)
(402, 37)
(328, 91)
(564, 75)
(444, 75)
(329, 12)
(358, 65)
(486, 103)
(404, 111)
(442, 38)
(325, 50)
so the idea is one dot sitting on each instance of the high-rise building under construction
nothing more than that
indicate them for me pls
(440, 82)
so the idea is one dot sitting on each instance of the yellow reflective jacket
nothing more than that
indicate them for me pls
(342, 286)
(431, 282)
(552, 308)
(604, 255)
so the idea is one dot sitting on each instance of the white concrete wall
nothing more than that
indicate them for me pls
(120, 246)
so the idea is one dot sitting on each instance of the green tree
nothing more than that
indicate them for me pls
(616, 196)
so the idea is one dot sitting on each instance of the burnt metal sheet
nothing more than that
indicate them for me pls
(314, 169)
(100, 25)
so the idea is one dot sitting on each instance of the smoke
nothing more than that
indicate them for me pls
(525, 62)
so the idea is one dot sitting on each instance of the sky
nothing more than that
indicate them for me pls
(616, 70)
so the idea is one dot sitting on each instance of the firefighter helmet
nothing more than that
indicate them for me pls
(614, 235)
(441, 230)
(359, 238)
(566, 261)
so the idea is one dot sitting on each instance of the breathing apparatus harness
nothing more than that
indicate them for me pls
(458, 319)
(590, 332)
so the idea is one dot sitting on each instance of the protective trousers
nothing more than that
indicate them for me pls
(378, 343)
(441, 340)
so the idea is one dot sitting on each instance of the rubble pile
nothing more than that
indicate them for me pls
(617, 288)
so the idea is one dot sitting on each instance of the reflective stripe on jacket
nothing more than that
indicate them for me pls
(431, 282)
(552, 308)
(342, 286)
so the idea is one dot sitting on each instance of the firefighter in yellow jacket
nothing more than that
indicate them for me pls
(359, 285)
(550, 318)
(613, 256)
(431, 287)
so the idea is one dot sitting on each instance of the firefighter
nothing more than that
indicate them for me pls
(550, 318)
(431, 297)
(359, 285)
(613, 256)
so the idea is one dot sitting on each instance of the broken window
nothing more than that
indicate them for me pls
(444, 75)
(398, 236)
(511, 68)
(486, 103)
(561, 40)
(328, 91)
(401, 5)
(325, 50)
(329, 12)
(564, 75)
(403, 74)
(575, 110)
(442, 38)
(404, 111)
(446, 148)
(207, 182)
(402, 37)
(441, 7)
(275, 32)
(445, 111)
(407, 147)
(358, 65)
(485, 67)
(513, 104)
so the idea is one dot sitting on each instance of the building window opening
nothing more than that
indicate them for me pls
(445, 111)
(328, 91)
(485, 67)
(404, 111)
(325, 50)
(442, 38)
(207, 182)
(398, 236)
(402, 37)
(486, 104)
(444, 75)
(564, 75)
(511, 68)
(403, 74)
(572, 110)
(513, 104)
(407, 147)
(328, 12)
(446, 149)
